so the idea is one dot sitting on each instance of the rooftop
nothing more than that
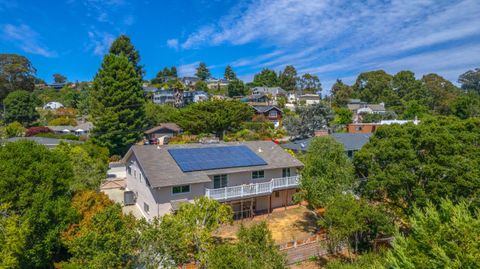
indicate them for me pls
(351, 141)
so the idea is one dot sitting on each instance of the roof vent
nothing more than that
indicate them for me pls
(210, 140)
(260, 150)
(302, 145)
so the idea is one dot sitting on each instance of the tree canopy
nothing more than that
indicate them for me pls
(123, 45)
(202, 71)
(309, 119)
(20, 107)
(236, 88)
(470, 80)
(309, 83)
(266, 78)
(16, 73)
(287, 79)
(229, 74)
(59, 78)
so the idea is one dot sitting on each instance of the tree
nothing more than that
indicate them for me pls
(411, 164)
(35, 182)
(157, 114)
(343, 116)
(62, 121)
(341, 93)
(20, 107)
(441, 93)
(266, 78)
(309, 83)
(14, 129)
(328, 172)
(118, 106)
(310, 119)
(412, 109)
(59, 78)
(288, 78)
(164, 75)
(229, 74)
(16, 73)
(407, 86)
(369, 260)
(201, 86)
(202, 71)
(376, 87)
(236, 88)
(214, 116)
(123, 45)
(69, 97)
(255, 249)
(470, 80)
(13, 237)
(187, 235)
(443, 236)
(466, 105)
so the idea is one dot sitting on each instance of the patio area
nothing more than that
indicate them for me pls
(296, 222)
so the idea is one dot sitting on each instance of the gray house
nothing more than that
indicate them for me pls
(253, 177)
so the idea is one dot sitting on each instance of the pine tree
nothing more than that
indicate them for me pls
(118, 105)
(229, 74)
(123, 45)
(288, 78)
(202, 71)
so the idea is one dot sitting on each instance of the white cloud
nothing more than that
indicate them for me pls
(332, 37)
(100, 42)
(172, 43)
(26, 39)
(187, 69)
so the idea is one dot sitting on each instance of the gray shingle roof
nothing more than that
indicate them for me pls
(161, 170)
(263, 109)
(349, 141)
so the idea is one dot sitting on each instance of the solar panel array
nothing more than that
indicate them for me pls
(208, 158)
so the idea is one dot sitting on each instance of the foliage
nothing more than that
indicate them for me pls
(327, 173)
(20, 107)
(341, 93)
(32, 131)
(414, 109)
(14, 129)
(202, 71)
(466, 105)
(309, 83)
(187, 235)
(441, 93)
(443, 236)
(355, 222)
(229, 74)
(266, 78)
(35, 181)
(69, 97)
(410, 164)
(118, 109)
(13, 237)
(16, 73)
(368, 260)
(59, 78)
(59, 136)
(255, 249)
(61, 121)
(89, 163)
(157, 114)
(470, 80)
(310, 118)
(214, 116)
(288, 78)
(123, 46)
(343, 116)
(376, 87)
(201, 86)
(236, 88)
(164, 75)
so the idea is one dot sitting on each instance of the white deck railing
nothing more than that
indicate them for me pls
(252, 189)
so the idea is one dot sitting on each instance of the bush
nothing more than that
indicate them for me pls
(63, 121)
(37, 130)
(14, 129)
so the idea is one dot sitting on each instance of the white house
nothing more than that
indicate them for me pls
(52, 105)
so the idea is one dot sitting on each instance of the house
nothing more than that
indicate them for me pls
(366, 128)
(161, 97)
(309, 99)
(52, 106)
(149, 89)
(271, 113)
(351, 142)
(47, 142)
(213, 83)
(253, 177)
(272, 91)
(358, 107)
(57, 86)
(168, 129)
(259, 99)
(81, 129)
(190, 81)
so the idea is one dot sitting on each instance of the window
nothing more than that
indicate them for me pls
(134, 173)
(358, 128)
(258, 174)
(277, 194)
(350, 154)
(129, 170)
(219, 181)
(181, 189)
(272, 113)
(285, 172)
(146, 207)
(140, 176)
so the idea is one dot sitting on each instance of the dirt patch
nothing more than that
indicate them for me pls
(286, 225)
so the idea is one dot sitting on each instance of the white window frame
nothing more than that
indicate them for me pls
(285, 174)
(180, 193)
(146, 208)
(221, 178)
(273, 113)
(258, 172)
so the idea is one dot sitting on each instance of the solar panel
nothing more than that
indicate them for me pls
(208, 158)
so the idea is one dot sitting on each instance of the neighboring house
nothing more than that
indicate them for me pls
(309, 98)
(199, 96)
(351, 142)
(213, 83)
(52, 106)
(366, 128)
(148, 89)
(161, 97)
(81, 129)
(190, 81)
(252, 177)
(364, 108)
(168, 129)
(57, 86)
(272, 91)
(48, 142)
(272, 113)
(256, 99)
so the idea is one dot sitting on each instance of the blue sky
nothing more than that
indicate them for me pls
(333, 39)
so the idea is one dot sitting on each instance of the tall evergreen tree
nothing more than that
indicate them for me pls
(123, 45)
(173, 71)
(20, 107)
(229, 74)
(202, 71)
(288, 78)
(266, 78)
(118, 105)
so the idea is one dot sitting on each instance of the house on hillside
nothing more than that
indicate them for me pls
(272, 91)
(52, 105)
(309, 98)
(45, 141)
(81, 129)
(351, 142)
(213, 83)
(190, 81)
(252, 177)
(271, 113)
(168, 129)
(367, 128)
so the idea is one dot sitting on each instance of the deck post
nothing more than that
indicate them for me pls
(270, 204)
(286, 199)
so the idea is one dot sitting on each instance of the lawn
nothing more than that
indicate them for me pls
(286, 225)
